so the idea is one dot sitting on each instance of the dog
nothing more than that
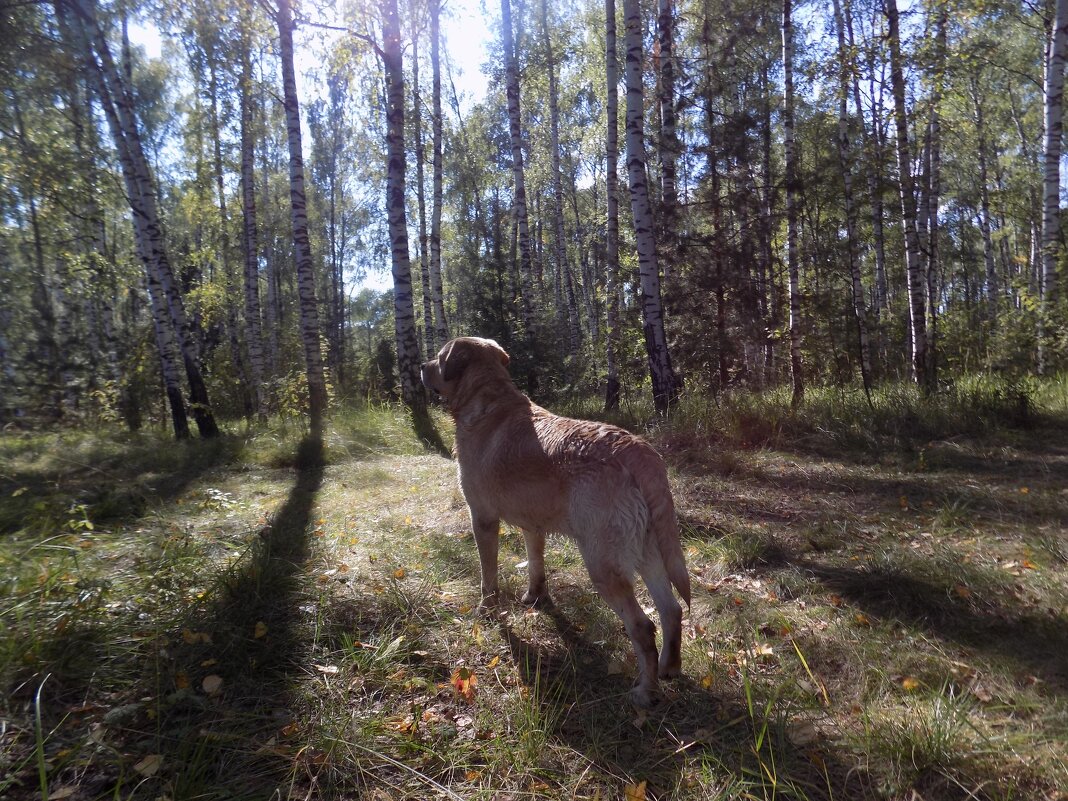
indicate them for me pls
(600, 485)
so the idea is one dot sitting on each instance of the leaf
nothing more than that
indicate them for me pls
(150, 765)
(327, 670)
(862, 619)
(212, 684)
(634, 792)
(473, 775)
(464, 682)
(62, 792)
(260, 631)
(16, 494)
(193, 637)
(181, 680)
(494, 662)
(802, 733)
(910, 684)
(398, 573)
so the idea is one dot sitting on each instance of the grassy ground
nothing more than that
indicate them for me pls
(880, 611)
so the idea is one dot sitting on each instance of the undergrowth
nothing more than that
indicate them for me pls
(880, 608)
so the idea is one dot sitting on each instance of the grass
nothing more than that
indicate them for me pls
(880, 604)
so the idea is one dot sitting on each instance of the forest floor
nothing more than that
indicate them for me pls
(243, 619)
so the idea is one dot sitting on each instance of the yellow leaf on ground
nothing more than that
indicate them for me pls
(862, 619)
(62, 792)
(494, 662)
(149, 765)
(260, 631)
(910, 684)
(634, 792)
(706, 681)
(398, 573)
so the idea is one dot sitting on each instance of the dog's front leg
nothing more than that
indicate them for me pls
(487, 536)
(536, 594)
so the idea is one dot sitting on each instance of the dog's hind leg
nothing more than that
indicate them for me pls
(537, 593)
(618, 592)
(655, 577)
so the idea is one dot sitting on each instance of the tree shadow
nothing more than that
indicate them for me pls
(249, 633)
(692, 732)
(115, 482)
(1035, 640)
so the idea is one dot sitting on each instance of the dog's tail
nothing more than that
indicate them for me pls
(665, 527)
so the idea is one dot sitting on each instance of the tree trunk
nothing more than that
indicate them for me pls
(669, 141)
(914, 267)
(611, 395)
(168, 309)
(665, 382)
(253, 333)
(1053, 112)
(526, 289)
(845, 155)
(403, 301)
(441, 326)
(430, 346)
(309, 309)
(984, 207)
(797, 379)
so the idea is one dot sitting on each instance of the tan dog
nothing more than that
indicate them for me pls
(602, 486)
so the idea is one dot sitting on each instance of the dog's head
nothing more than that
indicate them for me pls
(456, 359)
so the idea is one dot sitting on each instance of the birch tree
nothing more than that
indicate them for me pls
(511, 72)
(665, 382)
(797, 379)
(611, 396)
(913, 263)
(1053, 117)
(309, 309)
(441, 325)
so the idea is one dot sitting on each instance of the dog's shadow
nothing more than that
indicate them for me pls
(585, 700)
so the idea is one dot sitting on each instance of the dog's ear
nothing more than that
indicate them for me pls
(500, 351)
(454, 360)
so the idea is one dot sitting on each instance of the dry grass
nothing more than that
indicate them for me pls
(888, 625)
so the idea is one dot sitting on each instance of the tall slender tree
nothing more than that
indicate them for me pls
(441, 325)
(1053, 116)
(664, 380)
(913, 263)
(797, 379)
(309, 307)
(612, 387)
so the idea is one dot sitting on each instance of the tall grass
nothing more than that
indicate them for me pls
(897, 416)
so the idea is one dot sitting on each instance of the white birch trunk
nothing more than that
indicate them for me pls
(611, 397)
(913, 265)
(1053, 114)
(665, 382)
(441, 326)
(309, 309)
(797, 379)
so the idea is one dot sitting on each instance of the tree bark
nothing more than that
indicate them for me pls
(797, 379)
(526, 289)
(913, 265)
(665, 383)
(845, 155)
(253, 332)
(430, 346)
(441, 325)
(309, 309)
(669, 141)
(611, 395)
(407, 340)
(1053, 113)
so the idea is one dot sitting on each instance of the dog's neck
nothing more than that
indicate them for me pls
(481, 392)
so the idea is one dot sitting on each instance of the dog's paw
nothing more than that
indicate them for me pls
(669, 671)
(645, 697)
(538, 600)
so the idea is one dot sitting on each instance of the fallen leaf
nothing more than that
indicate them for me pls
(211, 684)
(862, 619)
(328, 670)
(260, 631)
(61, 792)
(464, 682)
(398, 573)
(634, 792)
(181, 680)
(962, 592)
(494, 662)
(150, 765)
(909, 684)
(802, 733)
(473, 775)
(706, 681)
(194, 637)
